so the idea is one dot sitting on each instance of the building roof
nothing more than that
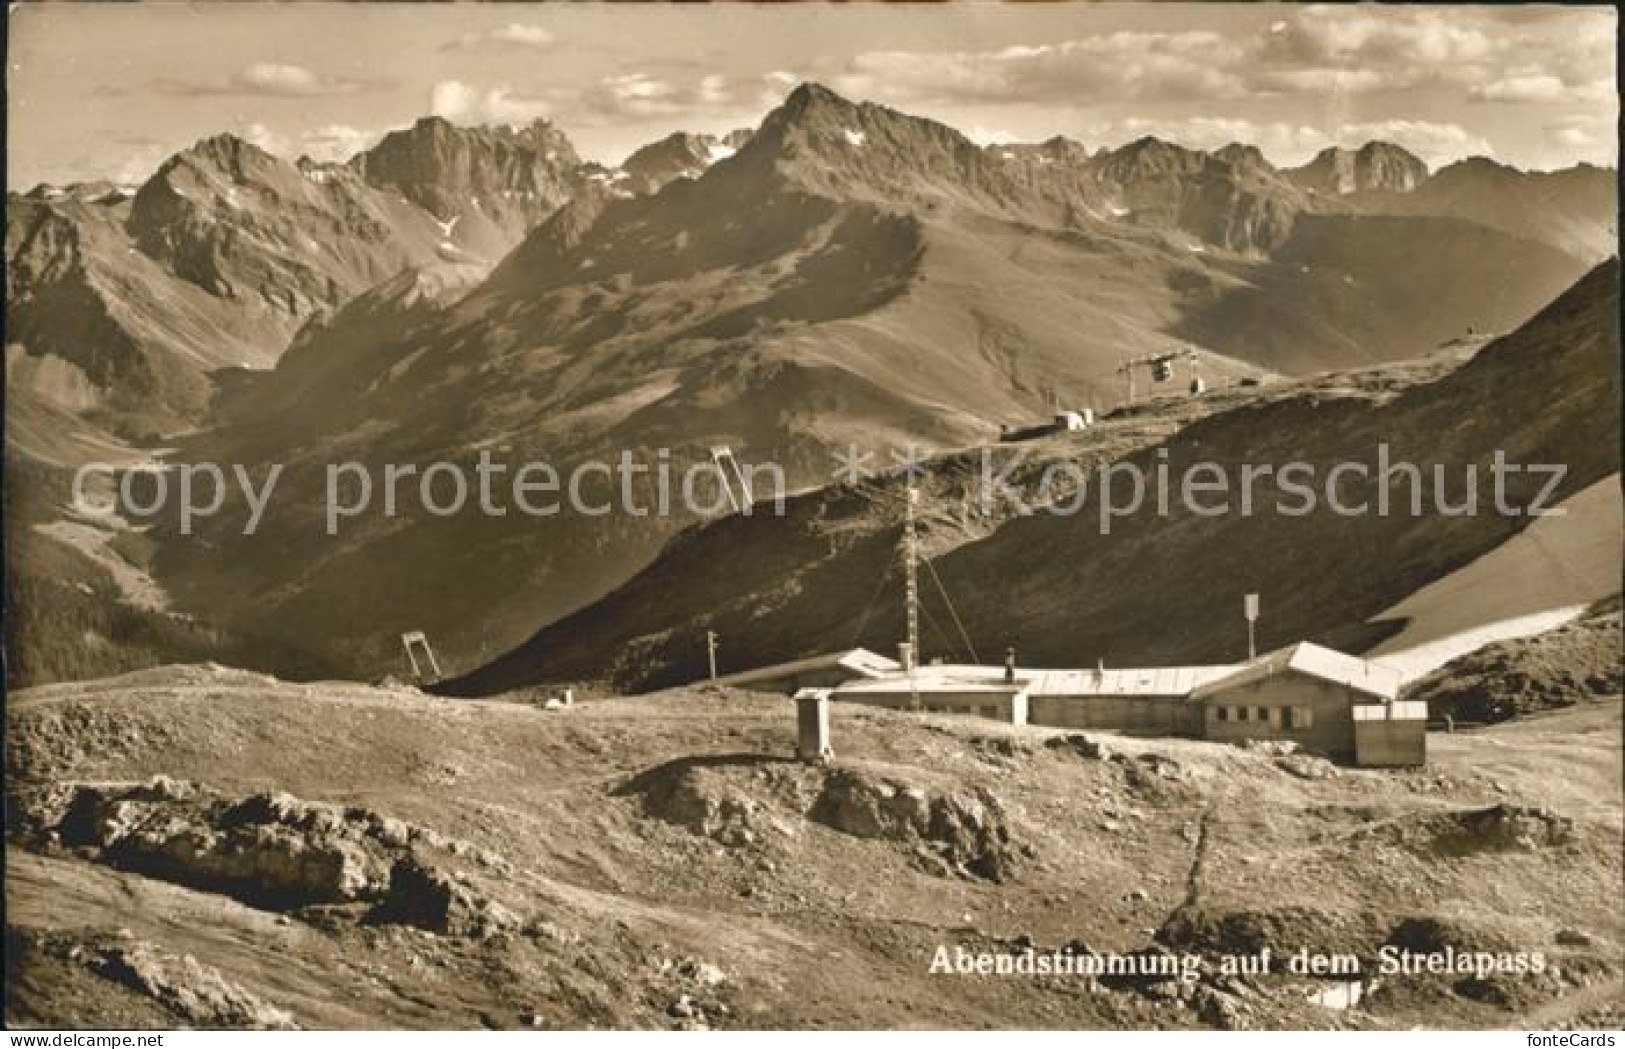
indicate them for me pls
(937, 680)
(1361, 675)
(1175, 682)
(1145, 682)
(877, 674)
(860, 661)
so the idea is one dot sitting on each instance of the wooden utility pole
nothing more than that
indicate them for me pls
(711, 651)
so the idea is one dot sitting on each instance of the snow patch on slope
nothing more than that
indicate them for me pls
(1537, 580)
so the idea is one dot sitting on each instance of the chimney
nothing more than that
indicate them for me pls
(905, 655)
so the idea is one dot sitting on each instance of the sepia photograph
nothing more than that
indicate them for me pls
(962, 516)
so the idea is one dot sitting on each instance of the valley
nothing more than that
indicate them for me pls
(821, 517)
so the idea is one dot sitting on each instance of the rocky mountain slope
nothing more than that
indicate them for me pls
(126, 307)
(1228, 200)
(1574, 209)
(100, 330)
(1578, 662)
(850, 275)
(1065, 594)
(1380, 166)
(681, 154)
(253, 229)
(138, 313)
(486, 186)
(1346, 290)
(202, 847)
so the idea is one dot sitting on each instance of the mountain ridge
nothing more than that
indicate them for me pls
(849, 274)
(797, 582)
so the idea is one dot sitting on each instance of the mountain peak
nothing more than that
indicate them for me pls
(1149, 156)
(863, 151)
(452, 171)
(1377, 165)
(681, 154)
(1152, 146)
(814, 106)
(433, 126)
(834, 142)
(809, 93)
(1377, 145)
(1483, 165)
(225, 150)
(231, 156)
(1244, 157)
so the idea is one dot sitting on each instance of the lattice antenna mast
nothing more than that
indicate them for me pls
(911, 590)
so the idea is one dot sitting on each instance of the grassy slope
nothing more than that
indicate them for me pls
(812, 926)
(1157, 589)
(1573, 663)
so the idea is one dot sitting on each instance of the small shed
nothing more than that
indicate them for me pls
(1308, 694)
(1390, 735)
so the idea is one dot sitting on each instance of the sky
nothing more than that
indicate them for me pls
(108, 91)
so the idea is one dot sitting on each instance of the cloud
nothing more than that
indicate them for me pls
(1285, 143)
(1380, 37)
(273, 78)
(265, 138)
(513, 35)
(1320, 81)
(329, 143)
(336, 142)
(639, 88)
(632, 97)
(267, 80)
(461, 103)
(1318, 51)
(1575, 137)
(138, 165)
(1584, 138)
(984, 136)
(1127, 64)
(1543, 88)
(714, 88)
(1530, 87)
(1436, 143)
(640, 96)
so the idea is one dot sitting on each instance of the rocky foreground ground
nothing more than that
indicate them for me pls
(204, 847)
